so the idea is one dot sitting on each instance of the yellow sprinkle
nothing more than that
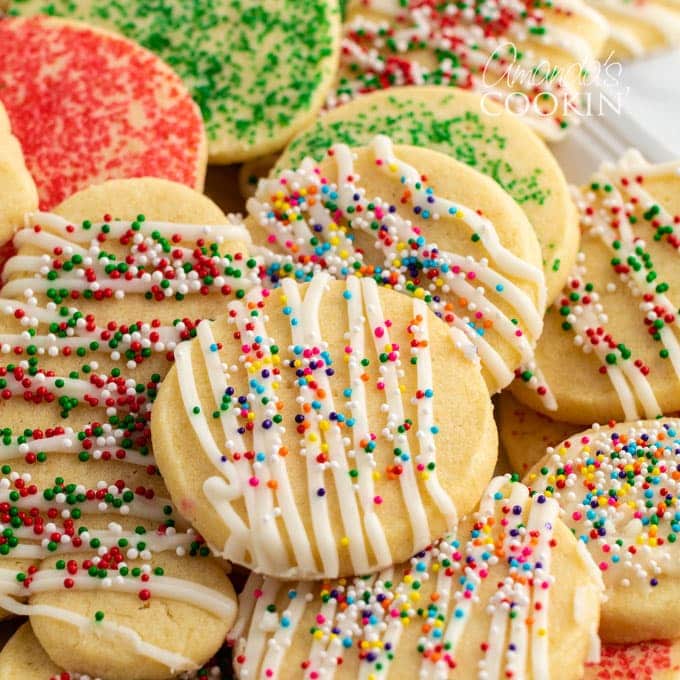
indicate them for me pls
(424, 476)
(414, 595)
(318, 634)
(392, 167)
(324, 425)
(312, 437)
(344, 541)
(376, 475)
(542, 632)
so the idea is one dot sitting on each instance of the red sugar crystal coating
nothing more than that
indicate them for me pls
(643, 661)
(88, 106)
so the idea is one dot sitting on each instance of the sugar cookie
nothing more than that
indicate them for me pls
(116, 586)
(610, 348)
(104, 108)
(508, 594)
(474, 131)
(421, 223)
(307, 433)
(638, 27)
(533, 57)
(19, 194)
(259, 70)
(24, 658)
(618, 491)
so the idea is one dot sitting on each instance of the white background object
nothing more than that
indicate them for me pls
(649, 90)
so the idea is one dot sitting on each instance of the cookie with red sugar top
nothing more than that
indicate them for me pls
(88, 106)
(654, 660)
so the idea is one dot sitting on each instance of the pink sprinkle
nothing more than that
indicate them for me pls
(392, 356)
(379, 332)
(603, 566)
(377, 500)
(269, 673)
(253, 481)
(585, 440)
(576, 516)
(271, 238)
(471, 275)
(394, 613)
(420, 467)
(348, 349)
(381, 385)
(257, 593)
(320, 619)
(456, 269)
(388, 323)
(518, 334)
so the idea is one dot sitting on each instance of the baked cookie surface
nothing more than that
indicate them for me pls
(473, 130)
(114, 582)
(609, 348)
(421, 223)
(19, 194)
(617, 489)
(87, 106)
(258, 70)
(507, 594)
(306, 433)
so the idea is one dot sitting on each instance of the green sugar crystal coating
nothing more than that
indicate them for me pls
(250, 66)
(464, 136)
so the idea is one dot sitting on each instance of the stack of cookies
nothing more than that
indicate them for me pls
(255, 433)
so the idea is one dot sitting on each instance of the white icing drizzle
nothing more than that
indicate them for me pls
(263, 634)
(107, 629)
(625, 194)
(459, 276)
(258, 541)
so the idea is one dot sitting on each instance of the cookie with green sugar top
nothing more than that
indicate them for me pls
(474, 131)
(258, 70)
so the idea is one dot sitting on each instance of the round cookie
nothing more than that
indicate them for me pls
(419, 222)
(307, 433)
(507, 594)
(18, 193)
(88, 333)
(532, 58)
(525, 434)
(618, 491)
(609, 348)
(24, 658)
(638, 28)
(656, 660)
(258, 70)
(474, 131)
(104, 108)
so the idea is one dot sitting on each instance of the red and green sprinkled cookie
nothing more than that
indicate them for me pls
(92, 550)
(87, 106)
(611, 342)
(506, 594)
(259, 70)
(532, 55)
(618, 488)
(473, 131)
(309, 432)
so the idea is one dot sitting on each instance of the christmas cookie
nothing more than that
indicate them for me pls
(421, 223)
(258, 70)
(617, 487)
(19, 194)
(92, 550)
(87, 106)
(24, 658)
(638, 27)
(533, 58)
(508, 594)
(474, 131)
(525, 433)
(308, 432)
(610, 346)
(656, 660)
